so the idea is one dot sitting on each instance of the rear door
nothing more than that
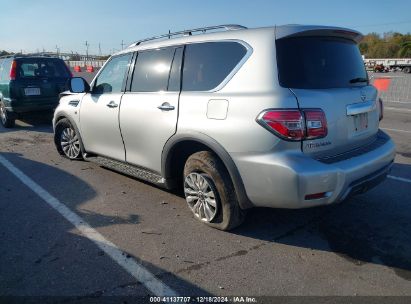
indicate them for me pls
(149, 110)
(99, 110)
(328, 73)
(39, 80)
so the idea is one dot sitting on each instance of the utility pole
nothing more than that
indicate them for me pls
(122, 44)
(87, 45)
(99, 49)
(57, 50)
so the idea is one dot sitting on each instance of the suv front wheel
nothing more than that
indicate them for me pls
(210, 193)
(7, 120)
(67, 140)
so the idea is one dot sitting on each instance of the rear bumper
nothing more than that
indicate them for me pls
(283, 180)
(18, 107)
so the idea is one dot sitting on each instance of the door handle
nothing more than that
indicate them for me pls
(166, 107)
(112, 104)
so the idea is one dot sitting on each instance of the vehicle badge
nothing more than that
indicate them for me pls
(363, 95)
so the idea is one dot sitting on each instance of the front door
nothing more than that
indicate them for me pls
(100, 110)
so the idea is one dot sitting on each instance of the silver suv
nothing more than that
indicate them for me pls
(279, 117)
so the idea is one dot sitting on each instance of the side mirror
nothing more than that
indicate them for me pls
(78, 85)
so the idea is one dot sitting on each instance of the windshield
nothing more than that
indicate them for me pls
(42, 67)
(319, 63)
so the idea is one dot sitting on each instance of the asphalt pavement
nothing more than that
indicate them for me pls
(359, 248)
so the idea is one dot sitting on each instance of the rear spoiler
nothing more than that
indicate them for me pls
(315, 30)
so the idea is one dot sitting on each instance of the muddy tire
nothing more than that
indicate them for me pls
(210, 193)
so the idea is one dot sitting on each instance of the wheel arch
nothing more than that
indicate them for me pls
(179, 147)
(63, 115)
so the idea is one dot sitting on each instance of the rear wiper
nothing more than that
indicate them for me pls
(358, 79)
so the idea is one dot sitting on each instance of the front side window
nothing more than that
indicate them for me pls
(112, 77)
(206, 65)
(152, 70)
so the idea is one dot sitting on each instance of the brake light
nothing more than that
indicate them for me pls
(381, 116)
(13, 70)
(295, 125)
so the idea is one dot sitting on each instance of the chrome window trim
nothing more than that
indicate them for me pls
(249, 52)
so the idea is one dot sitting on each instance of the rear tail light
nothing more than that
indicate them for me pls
(69, 70)
(381, 109)
(295, 125)
(287, 124)
(13, 70)
(316, 123)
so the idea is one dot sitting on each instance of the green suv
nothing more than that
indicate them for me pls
(30, 84)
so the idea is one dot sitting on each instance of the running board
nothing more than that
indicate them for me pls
(128, 169)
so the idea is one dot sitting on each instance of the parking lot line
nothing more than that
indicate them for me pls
(397, 109)
(396, 130)
(397, 101)
(406, 180)
(146, 278)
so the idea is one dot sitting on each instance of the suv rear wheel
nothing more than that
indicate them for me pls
(7, 120)
(67, 140)
(210, 193)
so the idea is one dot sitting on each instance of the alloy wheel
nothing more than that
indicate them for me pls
(70, 143)
(200, 196)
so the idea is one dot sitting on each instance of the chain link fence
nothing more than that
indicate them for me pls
(396, 86)
(82, 63)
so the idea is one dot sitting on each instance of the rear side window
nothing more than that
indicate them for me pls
(5, 69)
(1, 69)
(319, 62)
(40, 67)
(206, 65)
(152, 70)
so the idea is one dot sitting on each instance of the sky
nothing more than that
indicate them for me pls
(34, 25)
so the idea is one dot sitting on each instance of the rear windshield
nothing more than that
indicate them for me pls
(319, 63)
(41, 67)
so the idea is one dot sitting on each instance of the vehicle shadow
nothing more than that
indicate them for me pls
(39, 122)
(46, 244)
(370, 228)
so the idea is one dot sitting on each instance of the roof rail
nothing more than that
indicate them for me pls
(227, 27)
(8, 56)
(19, 55)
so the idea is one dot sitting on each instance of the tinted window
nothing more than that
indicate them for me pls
(41, 67)
(5, 69)
(206, 65)
(112, 77)
(152, 70)
(175, 74)
(318, 62)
